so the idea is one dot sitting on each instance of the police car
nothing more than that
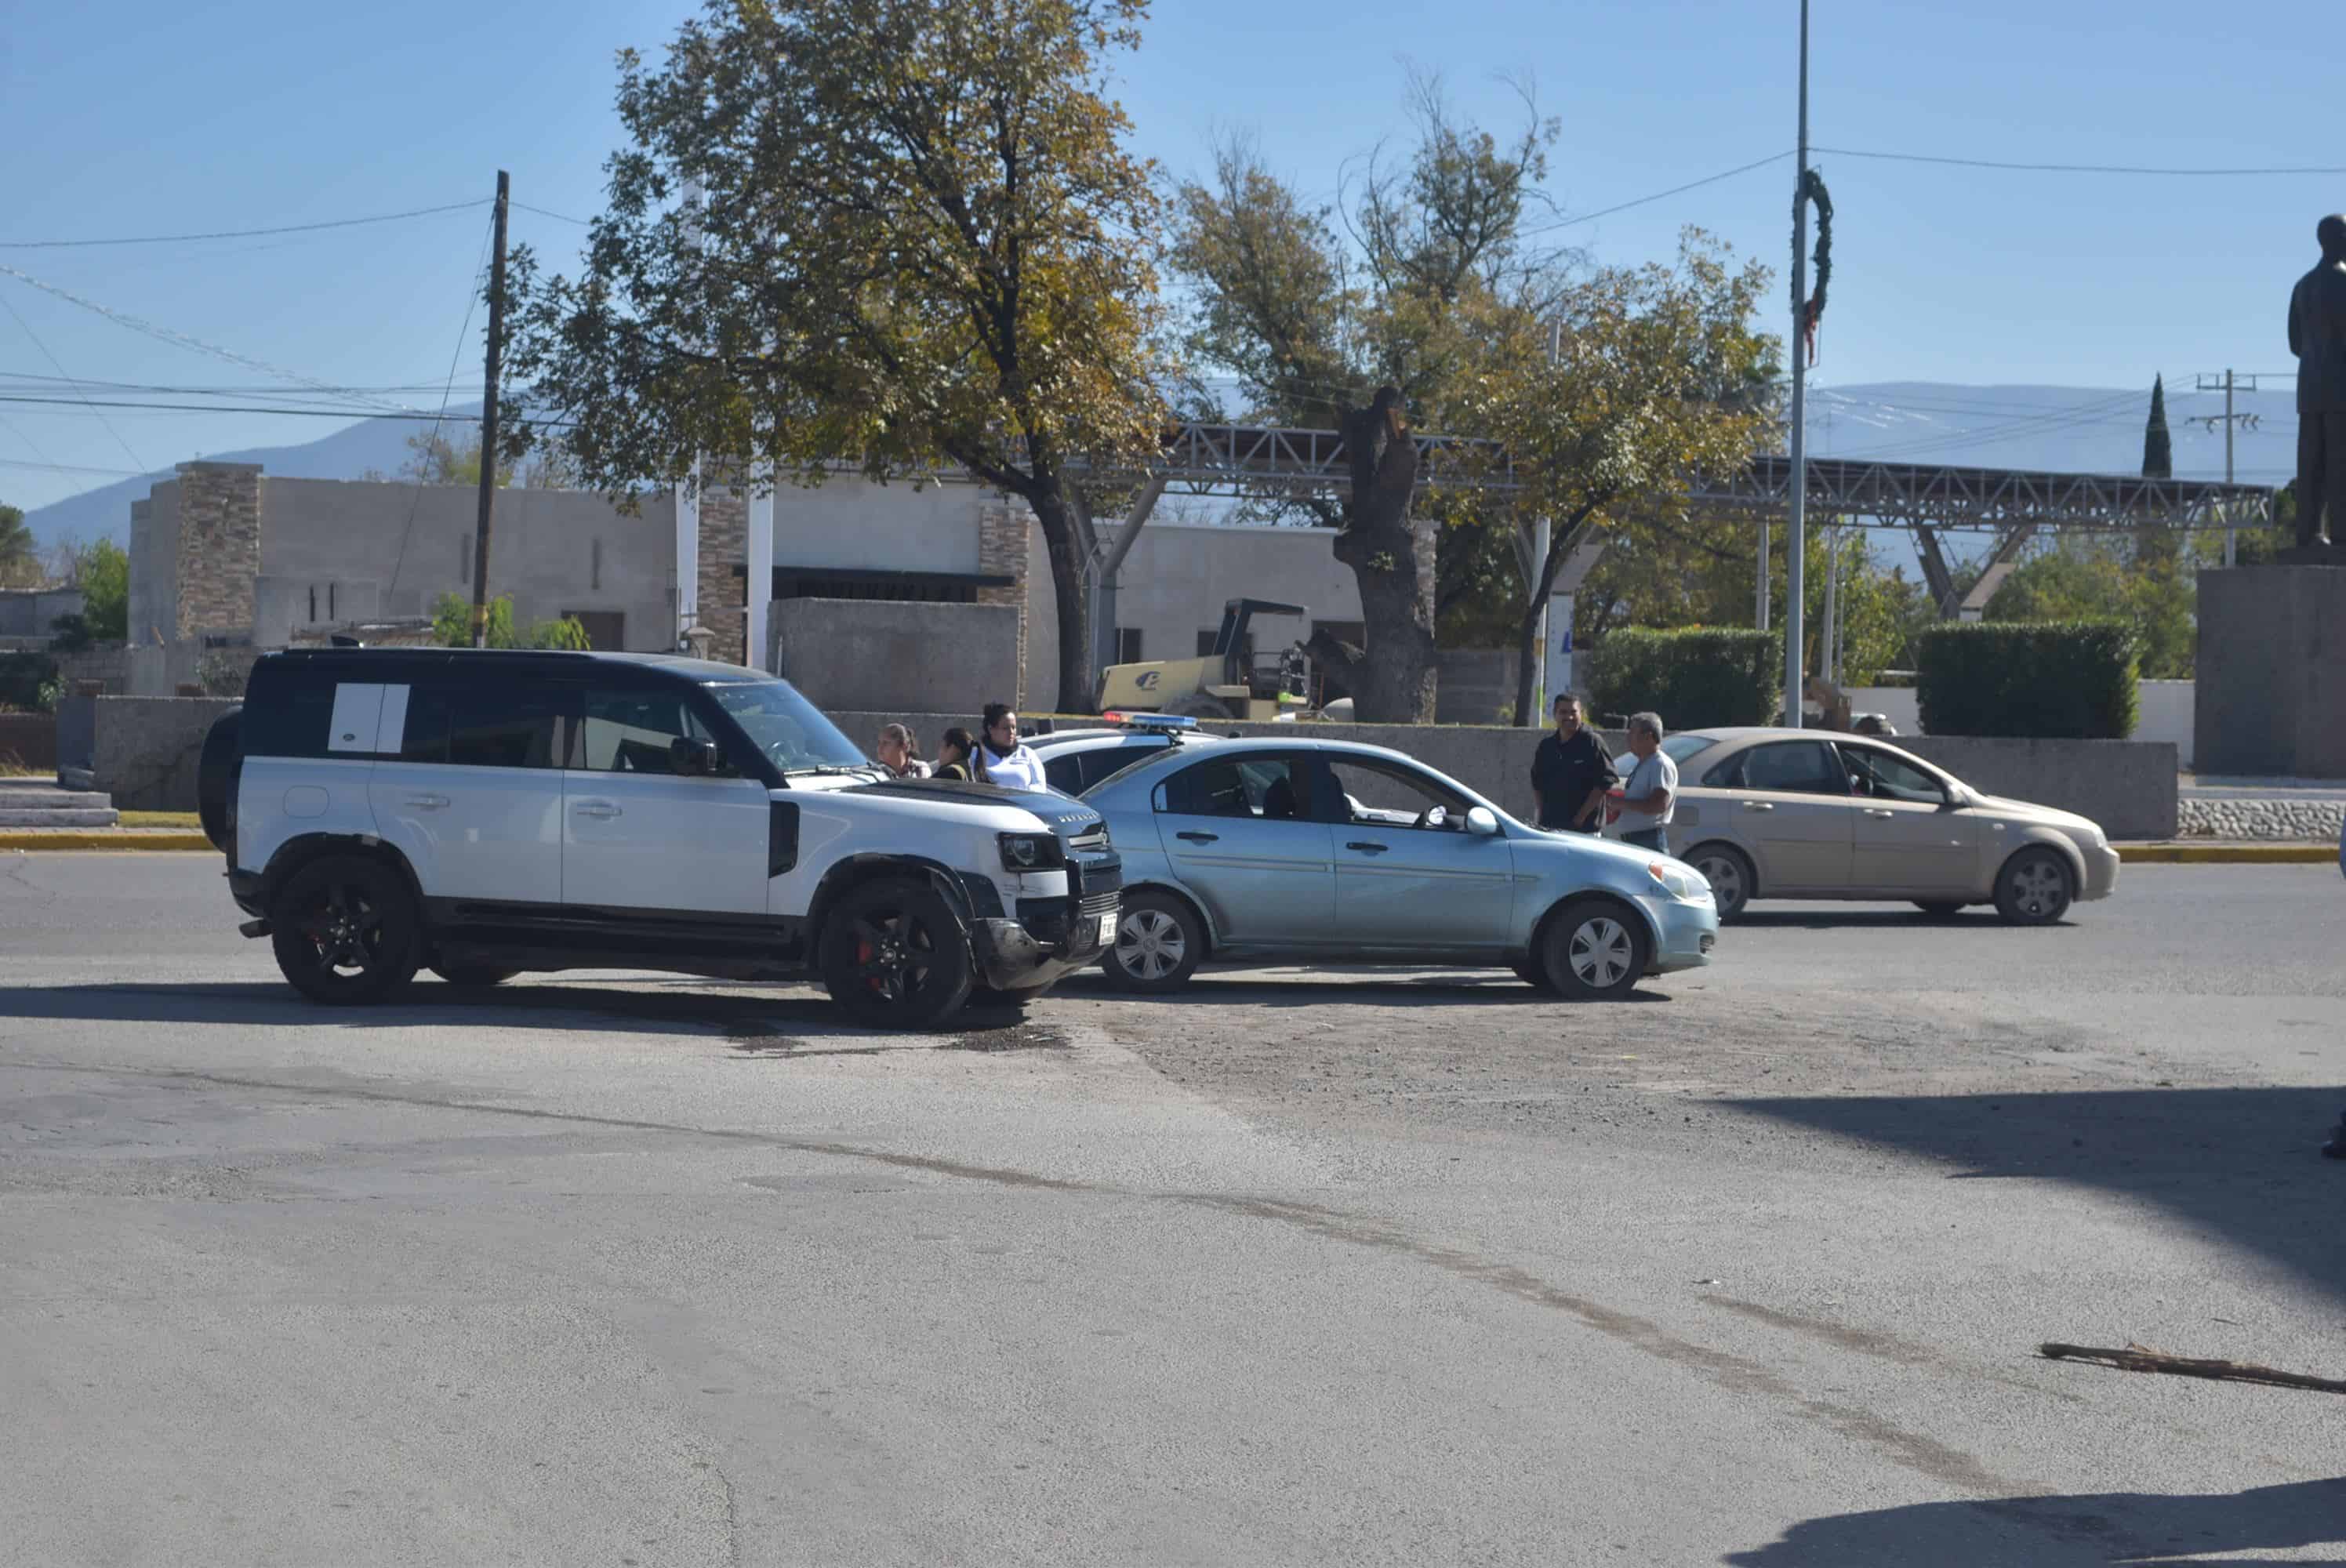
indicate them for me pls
(1075, 759)
(485, 813)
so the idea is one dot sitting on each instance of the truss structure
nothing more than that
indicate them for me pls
(1933, 496)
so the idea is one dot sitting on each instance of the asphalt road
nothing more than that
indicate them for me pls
(1301, 1268)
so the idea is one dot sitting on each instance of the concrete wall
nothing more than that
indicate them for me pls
(2270, 700)
(154, 605)
(33, 612)
(2127, 786)
(1478, 686)
(2165, 711)
(869, 655)
(28, 740)
(141, 750)
(855, 525)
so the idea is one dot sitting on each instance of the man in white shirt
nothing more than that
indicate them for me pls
(1007, 760)
(1650, 796)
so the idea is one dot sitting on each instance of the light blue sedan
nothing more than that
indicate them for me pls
(1302, 849)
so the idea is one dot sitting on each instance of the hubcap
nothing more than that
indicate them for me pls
(892, 955)
(1600, 952)
(1726, 880)
(2037, 888)
(1149, 944)
(345, 931)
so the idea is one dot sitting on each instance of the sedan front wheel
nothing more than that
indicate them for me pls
(1158, 944)
(2034, 887)
(1594, 951)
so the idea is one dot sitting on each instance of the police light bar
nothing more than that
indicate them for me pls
(1151, 720)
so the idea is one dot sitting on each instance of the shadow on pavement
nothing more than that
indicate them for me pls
(646, 1007)
(1495, 988)
(2242, 1165)
(2104, 1527)
(1827, 917)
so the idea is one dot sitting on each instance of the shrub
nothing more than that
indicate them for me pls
(2051, 679)
(452, 626)
(28, 682)
(1692, 678)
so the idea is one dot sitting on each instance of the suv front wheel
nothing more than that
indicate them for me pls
(345, 931)
(895, 955)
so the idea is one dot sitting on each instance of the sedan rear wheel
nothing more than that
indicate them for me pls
(2034, 887)
(1595, 950)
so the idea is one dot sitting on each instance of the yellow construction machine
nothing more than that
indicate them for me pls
(1231, 682)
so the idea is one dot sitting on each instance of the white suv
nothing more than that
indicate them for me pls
(484, 814)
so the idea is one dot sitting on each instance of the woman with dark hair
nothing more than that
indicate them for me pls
(1003, 759)
(957, 756)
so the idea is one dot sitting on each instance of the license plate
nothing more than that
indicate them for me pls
(1106, 932)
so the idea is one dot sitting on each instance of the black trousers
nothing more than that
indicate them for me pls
(2321, 476)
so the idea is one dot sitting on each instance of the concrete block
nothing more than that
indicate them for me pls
(2271, 699)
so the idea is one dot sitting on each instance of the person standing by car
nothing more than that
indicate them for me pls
(956, 757)
(1002, 757)
(1649, 800)
(1571, 774)
(899, 752)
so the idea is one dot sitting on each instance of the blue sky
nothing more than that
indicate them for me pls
(140, 118)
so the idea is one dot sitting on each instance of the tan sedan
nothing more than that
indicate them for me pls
(1806, 814)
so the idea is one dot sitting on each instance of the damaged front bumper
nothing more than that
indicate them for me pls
(1022, 955)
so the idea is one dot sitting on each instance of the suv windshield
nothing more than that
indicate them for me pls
(785, 725)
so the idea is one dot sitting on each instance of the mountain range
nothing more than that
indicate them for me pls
(2081, 430)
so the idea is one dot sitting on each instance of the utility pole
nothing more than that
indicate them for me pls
(2231, 421)
(1798, 543)
(489, 423)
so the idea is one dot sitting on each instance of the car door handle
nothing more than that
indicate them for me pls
(1197, 838)
(426, 802)
(596, 808)
(1366, 848)
(1759, 805)
(1877, 811)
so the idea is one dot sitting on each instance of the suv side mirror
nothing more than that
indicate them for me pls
(696, 759)
(1481, 821)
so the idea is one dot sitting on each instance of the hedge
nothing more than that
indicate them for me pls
(2069, 680)
(1692, 678)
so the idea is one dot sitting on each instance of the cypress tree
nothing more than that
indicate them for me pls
(2157, 446)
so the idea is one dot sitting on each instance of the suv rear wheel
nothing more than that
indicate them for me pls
(345, 931)
(894, 956)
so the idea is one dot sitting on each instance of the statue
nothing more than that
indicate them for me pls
(2317, 336)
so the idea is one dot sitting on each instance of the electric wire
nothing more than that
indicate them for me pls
(241, 233)
(415, 497)
(108, 423)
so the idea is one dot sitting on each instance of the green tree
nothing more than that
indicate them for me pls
(922, 240)
(20, 557)
(452, 626)
(2095, 579)
(1606, 419)
(1355, 324)
(2157, 446)
(103, 574)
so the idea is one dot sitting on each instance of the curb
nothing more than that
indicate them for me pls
(105, 838)
(2226, 854)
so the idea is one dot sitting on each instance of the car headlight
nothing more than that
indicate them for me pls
(1679, 881)
(1031, 851)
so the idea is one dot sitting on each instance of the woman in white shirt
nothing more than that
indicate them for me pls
(1007, 760)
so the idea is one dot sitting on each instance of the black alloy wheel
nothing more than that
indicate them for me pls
(895, 955)
(345, 931)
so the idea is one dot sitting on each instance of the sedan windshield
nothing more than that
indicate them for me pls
(790, 730)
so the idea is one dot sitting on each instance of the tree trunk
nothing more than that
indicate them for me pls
(1529, 655)
(1066, 543)
(1391, 557)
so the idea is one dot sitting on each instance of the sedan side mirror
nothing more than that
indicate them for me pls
(696, 758)
(1481, 821)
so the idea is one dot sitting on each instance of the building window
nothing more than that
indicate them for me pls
(915, 587)
(313, 604)
(1128, 645)
(606, 629)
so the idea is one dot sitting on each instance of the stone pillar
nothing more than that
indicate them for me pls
(2270, 701)
(724, 555)
(1002, 552)
(220, 547)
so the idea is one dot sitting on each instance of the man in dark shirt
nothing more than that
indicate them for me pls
(1571, 773)
(2317, 336)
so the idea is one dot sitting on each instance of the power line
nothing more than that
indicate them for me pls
(1658, 195)
(76, 468)
(472, 299)
(161, 388)
(239, 233)
(298, 413)
(27, 326)
(2072, 168)
(543, 212)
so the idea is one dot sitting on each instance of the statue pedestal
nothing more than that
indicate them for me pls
(2270, 696)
